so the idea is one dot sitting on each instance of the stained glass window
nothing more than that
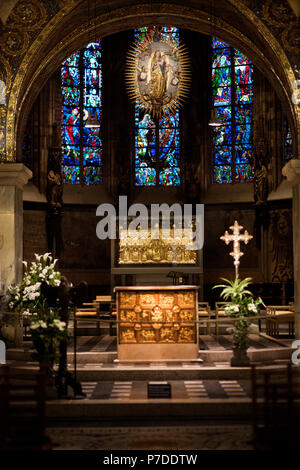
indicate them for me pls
(27, 149)
(288, 142)
(232, 94)
(157, 140)
(81, 85)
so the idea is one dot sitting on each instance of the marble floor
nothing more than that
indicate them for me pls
(186, 437)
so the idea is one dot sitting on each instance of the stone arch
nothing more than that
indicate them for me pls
(70, 29)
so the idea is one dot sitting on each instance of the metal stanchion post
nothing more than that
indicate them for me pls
(75, 350)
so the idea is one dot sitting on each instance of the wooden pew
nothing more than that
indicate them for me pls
(22, 409)
(275, 402)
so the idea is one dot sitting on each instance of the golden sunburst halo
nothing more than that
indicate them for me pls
(158, 73)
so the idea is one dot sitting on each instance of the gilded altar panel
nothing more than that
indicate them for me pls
(127, 300)
(186, 299)
(157, 317)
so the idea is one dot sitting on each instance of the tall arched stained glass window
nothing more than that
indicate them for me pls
(232, 88)
(157, 140)
(81, 82)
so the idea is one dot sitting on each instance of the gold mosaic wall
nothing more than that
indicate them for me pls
(176, 308)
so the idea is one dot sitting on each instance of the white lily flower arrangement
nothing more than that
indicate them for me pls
(46, 328)
(27, 294)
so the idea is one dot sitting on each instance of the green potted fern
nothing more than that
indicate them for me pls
(242, 305)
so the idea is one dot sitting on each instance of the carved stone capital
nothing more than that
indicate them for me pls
(14, 174)
(292, 171)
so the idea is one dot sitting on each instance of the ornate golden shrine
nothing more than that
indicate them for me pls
(157, 314)
(163, 250)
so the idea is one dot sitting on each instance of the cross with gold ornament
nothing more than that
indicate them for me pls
(236, 237)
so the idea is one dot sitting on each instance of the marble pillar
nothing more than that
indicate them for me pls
(13, 177)
(292, 171)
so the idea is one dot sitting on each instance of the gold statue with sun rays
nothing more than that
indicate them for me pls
(158, 72)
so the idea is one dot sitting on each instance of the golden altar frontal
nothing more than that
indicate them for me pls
(157, 322)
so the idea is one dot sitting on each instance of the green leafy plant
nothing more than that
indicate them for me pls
(242, 305)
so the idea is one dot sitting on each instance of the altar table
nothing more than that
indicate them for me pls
(157, 323)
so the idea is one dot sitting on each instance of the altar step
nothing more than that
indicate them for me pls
(208, 356)
(155, 410)
(123, 373)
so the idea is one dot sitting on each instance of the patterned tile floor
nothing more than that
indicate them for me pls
(180, 389)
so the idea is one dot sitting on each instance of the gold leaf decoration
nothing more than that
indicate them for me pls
(158, 73)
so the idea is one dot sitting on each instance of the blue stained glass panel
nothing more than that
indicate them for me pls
(71, 96)
(146, 139)
(92, 97)
(169, 120)
(92, 56)
(95, 113)
(145, 176)
(244, 94)
(243, 75)
(243, 154)
(223, 155)
(92, 156)
(72, 61)
(143, 120)
(149, 157)
(92, 175)
(70, 76)
(241, 59)
(218, 44)
(221, 76)
(222, 135)
(170, 29)
(244, 173)
(243, 114)
(169, 156)
(233, 154)
(221, 58)
(224, 113)
(72, 81)
(71, 155)
(92, 136)
(71, 135)
(222, 174)
(146, 154)
(70, 116)
(71, 174)
(222, 96)
(168, 137)
(93, 78)
(242, 133)
(170, 177)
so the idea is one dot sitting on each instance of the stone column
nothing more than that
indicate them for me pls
(292, 171)
(13, 177)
